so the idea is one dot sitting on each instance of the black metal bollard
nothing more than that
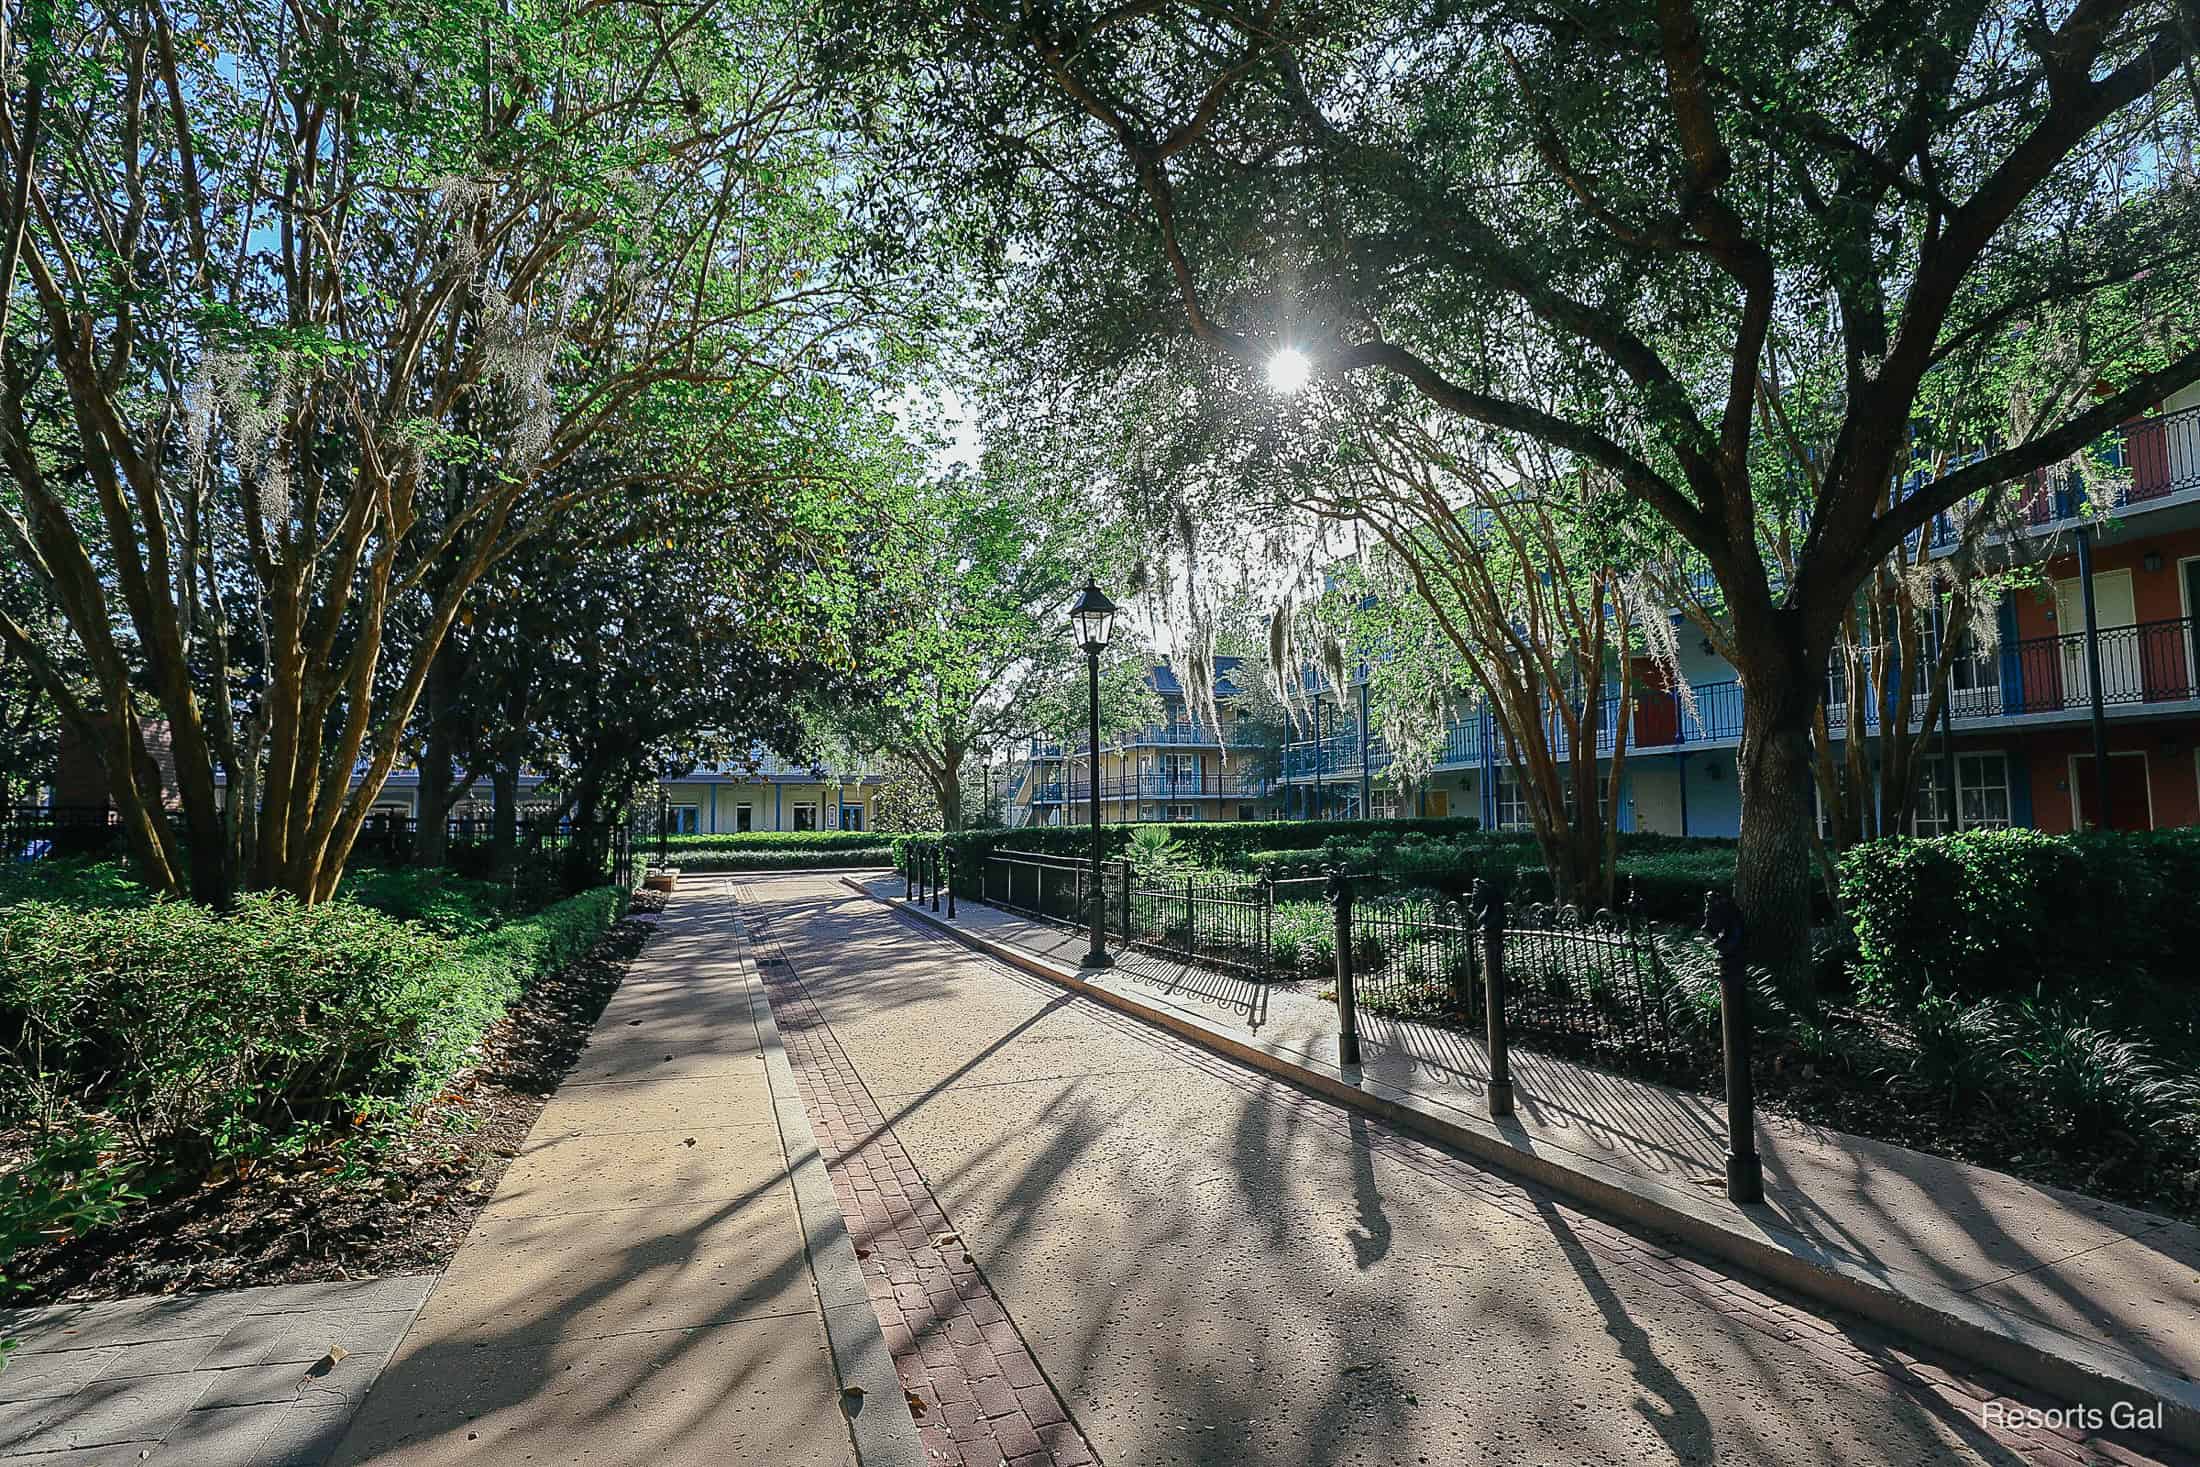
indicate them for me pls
(1348, 1007)
(1745, 1174)
(935, 878)
(950, 858)
(1191, 918)
(1489, 899)
(1124, 870)
(909, 872)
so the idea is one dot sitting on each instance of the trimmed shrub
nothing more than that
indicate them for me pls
(452, 905)
(829, 858)
(262, 1031)
(768, 840)
(1987, 912)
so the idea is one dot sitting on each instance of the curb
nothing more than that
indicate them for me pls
(881, 1431)
(2033, 1354)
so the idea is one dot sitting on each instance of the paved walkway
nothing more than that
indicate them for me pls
(244, 1378)
(1207, 1265)
(2123, 1279)
(662, 1278)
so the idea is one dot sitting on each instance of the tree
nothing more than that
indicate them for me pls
(307, 309)
(1496, 202)
(970, 647)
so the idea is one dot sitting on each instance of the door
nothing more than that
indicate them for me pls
(1439, 804)
(2113, 609)
(805, 817)
(744, 817)
(851, 817)
(2130, 803)
(1657, 712)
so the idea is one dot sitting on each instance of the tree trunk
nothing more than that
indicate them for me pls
(948, 786)
(431, 831)
(1772, 865)
(504, 817)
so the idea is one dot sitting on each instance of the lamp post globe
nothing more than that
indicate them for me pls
(1092, 618)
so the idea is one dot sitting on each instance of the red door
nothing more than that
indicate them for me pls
(2128, 808)
(1657, 713)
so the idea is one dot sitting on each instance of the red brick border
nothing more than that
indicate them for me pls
(975, 1389)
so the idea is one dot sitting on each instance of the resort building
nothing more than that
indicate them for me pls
(2023, 714)
(1174, 769)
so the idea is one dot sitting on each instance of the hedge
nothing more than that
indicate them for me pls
(144, 1044)
(1989, 912)
(1671, 873)
(1216, 844)
(833, 859)
(767, 840)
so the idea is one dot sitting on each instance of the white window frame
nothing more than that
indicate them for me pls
(744, 816)
(1928, 793)
(1507, 791)
(1185, 814)
(684, 819)
(798, 809)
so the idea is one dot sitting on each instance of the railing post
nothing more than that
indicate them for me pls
(950, 858)
(1489, 899)
(936, 858)
(1348, 1007)
(1191, 918)
(909, 872)
(1125, 866)
(1722, 919)
(1461, 983)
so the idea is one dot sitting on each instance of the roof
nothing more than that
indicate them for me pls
(1165, 681)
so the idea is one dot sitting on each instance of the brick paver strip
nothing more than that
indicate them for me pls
(985, 1401)
(1951, 1389)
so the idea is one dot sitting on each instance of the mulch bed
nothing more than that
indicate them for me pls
(300, 1226)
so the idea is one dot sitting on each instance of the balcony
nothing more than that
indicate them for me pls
(1162, 788)
(2161, 454)
(1152, 735)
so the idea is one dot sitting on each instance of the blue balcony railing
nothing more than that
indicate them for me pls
(1158, 788)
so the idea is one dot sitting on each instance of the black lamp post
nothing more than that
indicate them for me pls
(1092, 616)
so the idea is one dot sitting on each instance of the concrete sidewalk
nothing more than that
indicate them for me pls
(2083, 1298)
(663, 1276)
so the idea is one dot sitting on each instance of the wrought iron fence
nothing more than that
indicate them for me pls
(1214, 921)
(1583, 983)
(1594, 982)
(37, 832)
(1417, 958)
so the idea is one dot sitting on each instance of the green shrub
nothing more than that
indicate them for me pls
(769, 840)
(1153, 851)
(1303, 936)
(2090, 1077)
(84, 885)
(262, 1031)
(2009, 911)
(452, 905)
(829, 858)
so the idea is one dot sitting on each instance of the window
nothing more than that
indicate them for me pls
(1183, 812)
(744, 817)
(805, 816)
(1512, 804)
(1181, 768)
(1247, 812)
(683, 819)
(851, 817)
(1982, 795)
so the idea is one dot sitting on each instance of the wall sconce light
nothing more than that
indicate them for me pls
(2152, 560)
